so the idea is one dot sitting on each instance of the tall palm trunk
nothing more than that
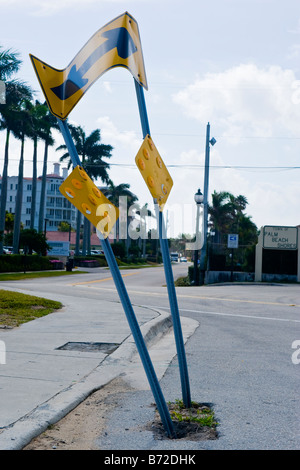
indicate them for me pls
(4, 190)
(19, 200)
(43, 189)
(33, 189)
(84, 241)
(78, 225)
(89, 238)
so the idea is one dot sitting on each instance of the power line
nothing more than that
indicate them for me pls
(200, 135)
(192, 166)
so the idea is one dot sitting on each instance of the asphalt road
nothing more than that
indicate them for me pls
(240, 359)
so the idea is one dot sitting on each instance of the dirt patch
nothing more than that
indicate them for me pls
(82, 426)
(194, 424)
(80, 429)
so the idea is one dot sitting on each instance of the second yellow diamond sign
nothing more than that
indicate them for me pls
(154, 172)
(80, 190)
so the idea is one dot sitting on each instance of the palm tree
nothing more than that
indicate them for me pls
(37, 112)
(9, 64)
(47, 124)
(91, 152)
(114, 193)
(21, 130)
(227, 216)
(220, 213)
(143, 212)
(13, 120)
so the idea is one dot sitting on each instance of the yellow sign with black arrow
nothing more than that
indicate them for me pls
(117, 44)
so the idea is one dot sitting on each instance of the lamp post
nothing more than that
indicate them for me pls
(198, 200)
(209, 141)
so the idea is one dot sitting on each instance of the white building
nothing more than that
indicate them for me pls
(57, 207)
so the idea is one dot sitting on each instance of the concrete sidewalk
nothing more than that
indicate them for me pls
(40, 382)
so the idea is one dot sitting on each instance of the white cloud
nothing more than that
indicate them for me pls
(275, 207)
(294, 52)
(220, 179)
(120, 140)
(245, 100)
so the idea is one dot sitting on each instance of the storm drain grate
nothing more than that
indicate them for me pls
(106, 348)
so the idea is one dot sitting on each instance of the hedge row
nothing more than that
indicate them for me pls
(17, 263)
(90, 261)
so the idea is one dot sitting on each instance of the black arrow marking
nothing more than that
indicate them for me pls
(119, 38)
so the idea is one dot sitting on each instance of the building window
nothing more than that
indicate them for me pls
(29, 187)
(28, 199)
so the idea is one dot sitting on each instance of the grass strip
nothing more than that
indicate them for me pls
(17, 308)
(37, 274)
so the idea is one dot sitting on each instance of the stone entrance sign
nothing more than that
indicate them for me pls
(280, 238)
(273, 237)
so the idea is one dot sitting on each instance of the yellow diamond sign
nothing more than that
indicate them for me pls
(154, 172)
(80, 190)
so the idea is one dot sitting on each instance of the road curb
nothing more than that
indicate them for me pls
(20, 433)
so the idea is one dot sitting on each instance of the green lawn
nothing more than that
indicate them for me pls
(16, 308)
(32, 275)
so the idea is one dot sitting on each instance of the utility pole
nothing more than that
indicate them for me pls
(209, 142)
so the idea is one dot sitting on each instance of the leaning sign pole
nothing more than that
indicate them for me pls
(185, 385)
(62, 90)
(127, 306)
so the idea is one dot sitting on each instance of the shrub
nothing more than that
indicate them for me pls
(17, 263)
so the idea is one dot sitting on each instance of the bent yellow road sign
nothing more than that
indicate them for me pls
(117, 44)
(154, 172)
(80, 190)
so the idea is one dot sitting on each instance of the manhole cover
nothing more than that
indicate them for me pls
(107, 348)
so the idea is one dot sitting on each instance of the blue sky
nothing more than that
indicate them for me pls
(233, 63)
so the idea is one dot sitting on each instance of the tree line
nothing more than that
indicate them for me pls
(25, 117)
(226, 216)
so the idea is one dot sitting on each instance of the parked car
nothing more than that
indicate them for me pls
(7, 250)
(97, 252)
(183, 260)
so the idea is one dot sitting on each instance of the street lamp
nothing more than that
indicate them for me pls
(198, 200)
(209, 141)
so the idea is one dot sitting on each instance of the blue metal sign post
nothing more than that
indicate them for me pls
(130, 315)
(186, 395)
(62, 90)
